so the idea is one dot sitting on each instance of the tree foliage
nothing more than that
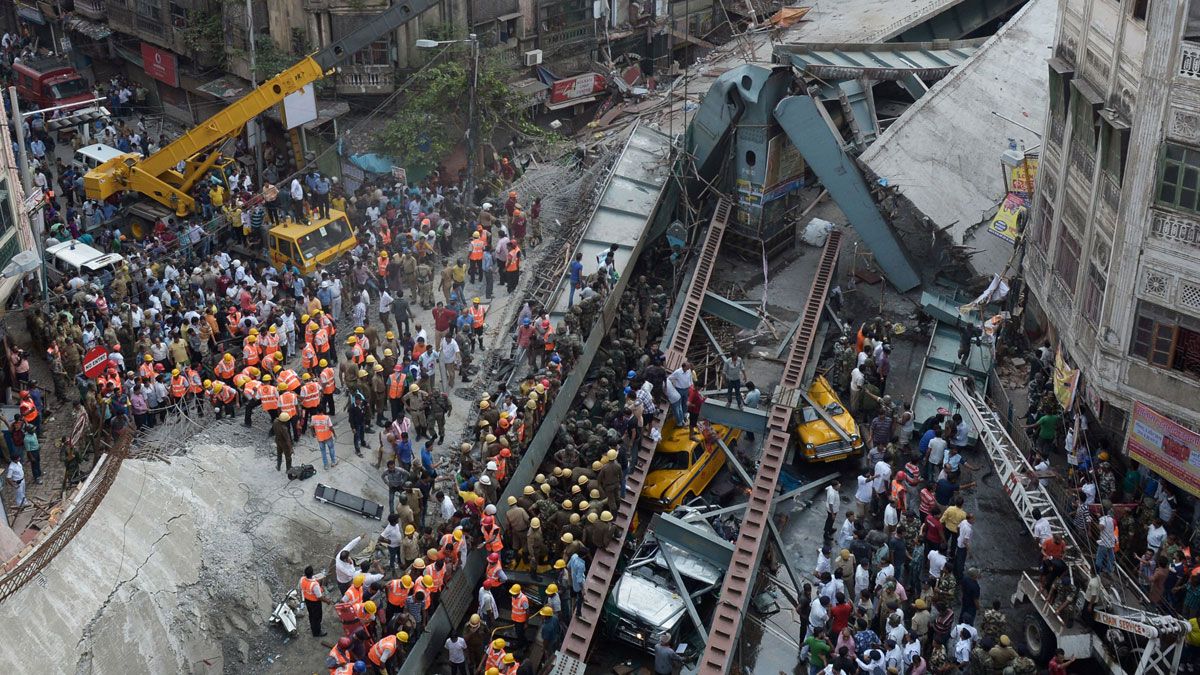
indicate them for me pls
(432, 118)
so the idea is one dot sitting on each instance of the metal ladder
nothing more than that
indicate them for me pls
(571, 658)
(739, 578)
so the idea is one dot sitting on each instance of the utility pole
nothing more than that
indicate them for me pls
(472, 131)
(23, 168)
(258, 140)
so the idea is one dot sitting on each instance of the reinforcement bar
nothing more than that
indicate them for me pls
(747, 552)
(572, 655)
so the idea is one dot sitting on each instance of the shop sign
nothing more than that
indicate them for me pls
(580, 86)
(160, 64)
(1168, 448)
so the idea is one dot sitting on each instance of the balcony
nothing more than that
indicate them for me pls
(366, 80)
(92, 9)
(1189, 60)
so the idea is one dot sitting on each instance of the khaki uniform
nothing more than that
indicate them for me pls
(518, 526)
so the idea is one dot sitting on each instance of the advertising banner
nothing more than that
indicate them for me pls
(1171, 450)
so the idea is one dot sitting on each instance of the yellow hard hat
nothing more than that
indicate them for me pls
(515, 589)
(378, 368)
(527, 490)
(358, 330)
(282, 387)
(266, 378)
(252, 339)
(306, 376)
(207, 384)
(228, 356)
(610, 455)
(406, 581)
(493, 670)
(216, 386)
(414, 387)
(475, 619)
(147, 358)
(313, 327)
(567, 537)
(546, 611)
(498, 643)
(402, 636)
(490, 438)
(323, 363)
(383, 254)
(369, 607)
(359, 579)
(277, 368)
(567, 504)
(595, 467)
(484, 405)
(304, 318)
(511, 500)
(272, 330)
(254, 331)
(362, 372)
(427, 581)
(509, 658)
(458, 535)
(535, 523)
(560, 564)
(552, 589)
(390, 335)
(351, 340)
(387, 352)
(175, 372)
(285, 417)
(606, 516)
(409, 529)
(475, 299)
(370, 358)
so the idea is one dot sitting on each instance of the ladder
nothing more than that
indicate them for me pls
(571, 658)
(747, 552)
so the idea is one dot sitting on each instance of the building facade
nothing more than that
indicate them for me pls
(1112, 253)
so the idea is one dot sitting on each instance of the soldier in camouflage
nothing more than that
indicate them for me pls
(994, 623)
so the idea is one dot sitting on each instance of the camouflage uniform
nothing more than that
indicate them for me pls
(994, 624)
(981, 661)
(1022, 665)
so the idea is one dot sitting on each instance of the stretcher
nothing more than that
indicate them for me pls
(347, 501)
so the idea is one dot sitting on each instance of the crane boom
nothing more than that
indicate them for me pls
(158, 177)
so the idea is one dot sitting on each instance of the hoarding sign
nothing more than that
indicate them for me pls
(1167, 447)
(1006, 224)
(580, 86)
(160, 64)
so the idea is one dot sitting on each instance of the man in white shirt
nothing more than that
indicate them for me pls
(451, 357)
(857, 380)
(937, 561)
(818, 614)
(1156, 535)
(862, 495)
(966, 533)
(1107, 542)
(833, 503)
(846, 534)
(1041, 527)
(296, 191)
(344, 567)
(891, 517)
(964, 634)
(16, 478)
(681, 380)
(881, 483)
(487, 606)
(936, 454)
(391, 536)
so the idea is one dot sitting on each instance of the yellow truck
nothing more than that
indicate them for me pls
(816, 439)
(313, 245)
(683, 465)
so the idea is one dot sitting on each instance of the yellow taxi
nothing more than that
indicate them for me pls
(683, 465)
(313, 245)
(815, 440)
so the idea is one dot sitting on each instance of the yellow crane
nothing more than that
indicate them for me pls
(169, 175)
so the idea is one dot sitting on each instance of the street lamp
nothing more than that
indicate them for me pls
(472, 132)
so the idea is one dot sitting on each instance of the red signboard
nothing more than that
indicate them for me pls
(160, 64)
(95, 361)
(1170, 449)
(580, 86)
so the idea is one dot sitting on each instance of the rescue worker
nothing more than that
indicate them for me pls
(387, 654)
(414, 404)
(520, 614)
(310, 400)
(328, 382)
(283, 440)
(395, 391)
(289, 404)
(314, 595)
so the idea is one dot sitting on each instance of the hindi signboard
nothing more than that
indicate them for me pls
(1169, 448)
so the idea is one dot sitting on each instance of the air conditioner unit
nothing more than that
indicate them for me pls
(533, 57)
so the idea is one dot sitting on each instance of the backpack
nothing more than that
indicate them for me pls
(302, 472)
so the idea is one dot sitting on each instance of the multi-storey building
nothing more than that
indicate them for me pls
(1113, 249)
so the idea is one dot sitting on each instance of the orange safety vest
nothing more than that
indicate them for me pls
(327, 323)
(477, 314)
(361, 613)
(493, 658)
(197, 383)
(898, 492)
(322, 427)
(226, 395)
(511, 669)
(381, 651)
(146, 370)
(328, 383)
(321, 341)
(311, 589)
(357, 355)
(381, 269)
(514, 261)
(494, 543)
(224, 369)
(308, 356)
(353, 594)
(251, 353)
(493, 575)
(289, 403)
(344, 669)
(289, 379)
(269, 396)
(235, 318)
(477, 249)
(520, 608)
(396, 385)
(29, 411)
(310, 395)
(250, 390)
(501, 468)
(270, 343)
(179, 386)
(549, 339)
(342, 659)
(397, 594)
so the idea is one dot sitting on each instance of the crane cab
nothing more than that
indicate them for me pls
(311, 246)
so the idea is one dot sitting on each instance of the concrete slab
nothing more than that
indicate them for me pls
(944, 151)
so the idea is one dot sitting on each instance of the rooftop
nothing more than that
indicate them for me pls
(939, 151)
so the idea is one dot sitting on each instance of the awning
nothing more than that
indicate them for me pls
(31, 14)
(533, 90)
(92, 29)
(571, 102)
(1088, 92)
(226, 87)
(508, 17)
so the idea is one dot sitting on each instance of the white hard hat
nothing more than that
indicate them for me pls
(490, 509)
(491, 466)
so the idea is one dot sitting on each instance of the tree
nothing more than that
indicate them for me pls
(432, 119)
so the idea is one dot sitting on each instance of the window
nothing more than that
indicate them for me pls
(178, 15)
(1045, 223)
(1167, 339)
(149, 9)
(1066, 258)
(1085, 121)
(6, 211)
(1059, 92)
(1140, 9)
(1116, 145)
(374, 54)
(1179, 177)
(1093, 295)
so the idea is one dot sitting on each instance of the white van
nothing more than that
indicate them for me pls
(70, 258)
(91, 156)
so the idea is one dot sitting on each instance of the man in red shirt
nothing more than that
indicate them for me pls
(839, 614)
(443, 318)
(1060, 662)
